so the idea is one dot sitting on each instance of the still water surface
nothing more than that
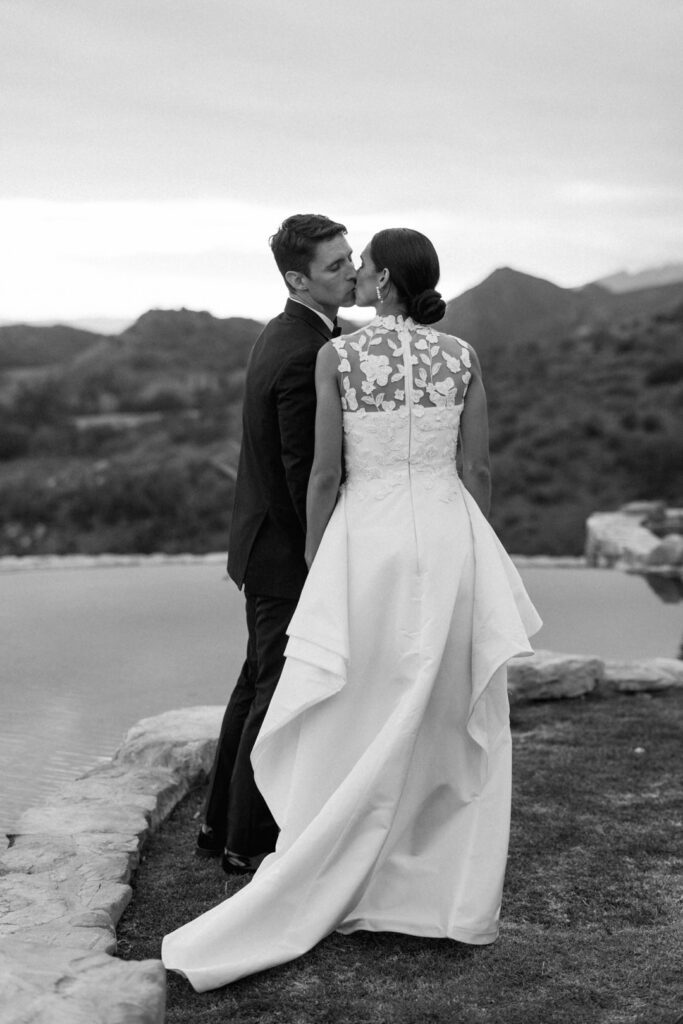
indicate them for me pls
(87, 652)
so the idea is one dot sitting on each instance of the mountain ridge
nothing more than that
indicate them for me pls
(626, 280)
(507, 307)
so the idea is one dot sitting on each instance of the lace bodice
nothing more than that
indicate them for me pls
(403, 387)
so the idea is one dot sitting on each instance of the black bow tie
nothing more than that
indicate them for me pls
(336, 331)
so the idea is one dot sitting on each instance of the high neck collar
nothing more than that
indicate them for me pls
(394, 322)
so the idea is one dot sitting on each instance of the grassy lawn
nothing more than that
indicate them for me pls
(592, 912)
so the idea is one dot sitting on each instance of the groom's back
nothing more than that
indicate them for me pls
(267, 536)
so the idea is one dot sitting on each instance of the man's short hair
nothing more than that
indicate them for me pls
(295, 241)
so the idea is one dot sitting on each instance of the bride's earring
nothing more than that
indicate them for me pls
(379, 294)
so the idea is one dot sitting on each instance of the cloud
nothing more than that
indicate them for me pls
(147, 142)
(614, 193)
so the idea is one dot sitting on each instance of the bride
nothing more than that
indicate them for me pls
(385, 754)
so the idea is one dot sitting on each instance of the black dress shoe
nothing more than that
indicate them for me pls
(236, 864)
(208, 843)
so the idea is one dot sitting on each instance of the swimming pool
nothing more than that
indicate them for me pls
(86, 652)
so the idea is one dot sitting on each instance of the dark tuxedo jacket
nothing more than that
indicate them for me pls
(268, 530)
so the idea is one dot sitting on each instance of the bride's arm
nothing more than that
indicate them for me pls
(474, 434)
(323, 485)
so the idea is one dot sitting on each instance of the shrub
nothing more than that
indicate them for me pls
(41, 402)
(15, 440)
(669, 372)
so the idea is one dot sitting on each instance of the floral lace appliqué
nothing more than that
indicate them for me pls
(373, 363)
(402, 389)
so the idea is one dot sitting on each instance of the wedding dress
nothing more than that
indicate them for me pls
(385, 754)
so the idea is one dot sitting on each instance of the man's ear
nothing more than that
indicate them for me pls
(297, 281)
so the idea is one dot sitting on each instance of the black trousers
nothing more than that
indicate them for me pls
(235, 809)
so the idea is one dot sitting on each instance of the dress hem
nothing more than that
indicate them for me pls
(455, 935)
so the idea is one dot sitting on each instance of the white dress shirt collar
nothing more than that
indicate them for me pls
(325, 319)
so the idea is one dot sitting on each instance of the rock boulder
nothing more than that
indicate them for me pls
(643, 676)
(550, 676)
(668, 552)
(618, 538)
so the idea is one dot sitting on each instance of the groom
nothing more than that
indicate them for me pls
(268, 532)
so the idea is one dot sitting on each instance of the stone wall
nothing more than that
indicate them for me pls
(65, 877)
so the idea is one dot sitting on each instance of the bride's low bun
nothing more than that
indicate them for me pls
(427, 307)
(413, 268)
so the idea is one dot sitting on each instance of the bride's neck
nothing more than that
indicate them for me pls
(391, 309)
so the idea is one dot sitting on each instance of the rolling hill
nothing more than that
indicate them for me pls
(122, 442)
(30, 345)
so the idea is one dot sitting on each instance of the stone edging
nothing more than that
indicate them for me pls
(64, 881)
(26, 563)
(551, 676)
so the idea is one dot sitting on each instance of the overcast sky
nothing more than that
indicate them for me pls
(148, 148)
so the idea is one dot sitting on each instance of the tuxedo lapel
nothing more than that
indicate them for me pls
(297, 311)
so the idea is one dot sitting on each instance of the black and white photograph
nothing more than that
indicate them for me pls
(341, 512)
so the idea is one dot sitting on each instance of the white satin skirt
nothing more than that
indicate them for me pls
(385, 754)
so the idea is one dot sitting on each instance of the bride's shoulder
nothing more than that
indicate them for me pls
(458, 347)
(452, 341)
(445, 338)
